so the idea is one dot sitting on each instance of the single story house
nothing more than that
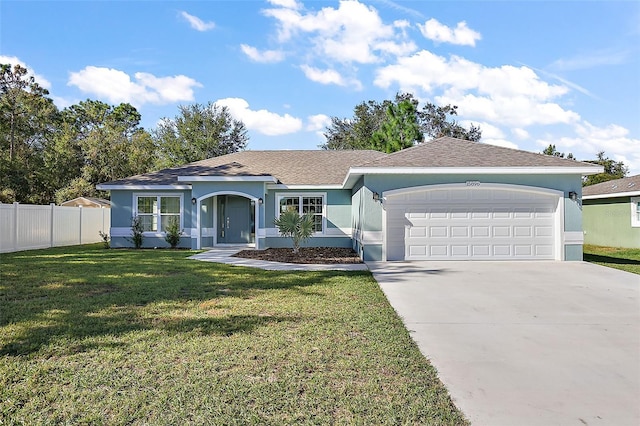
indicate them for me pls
(88, 202)
(443, 199)
(611, 213)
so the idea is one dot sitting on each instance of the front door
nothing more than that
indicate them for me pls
(235, 220)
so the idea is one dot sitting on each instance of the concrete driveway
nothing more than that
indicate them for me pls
(525, 343)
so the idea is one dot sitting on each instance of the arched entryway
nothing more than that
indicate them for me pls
(227, 218)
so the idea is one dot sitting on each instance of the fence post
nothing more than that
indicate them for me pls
(80, 225)
(52, 240)
(15, 223)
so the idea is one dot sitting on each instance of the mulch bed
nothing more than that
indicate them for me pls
(306, 255)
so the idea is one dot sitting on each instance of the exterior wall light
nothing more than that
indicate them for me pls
(260, 200)
(573, 195)
(376, 196)
(194, 201)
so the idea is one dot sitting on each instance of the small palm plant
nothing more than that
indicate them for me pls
(298, 228)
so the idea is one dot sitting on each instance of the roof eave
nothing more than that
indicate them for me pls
(304, 186)
(137, 187)
(612, 195)
(227, 179)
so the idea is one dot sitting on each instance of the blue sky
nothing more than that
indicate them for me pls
(529, 73)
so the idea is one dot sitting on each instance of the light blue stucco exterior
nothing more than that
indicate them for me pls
(122, 213)
(352, 217)
(372, 223)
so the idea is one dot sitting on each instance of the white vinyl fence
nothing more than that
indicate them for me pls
(28, 226)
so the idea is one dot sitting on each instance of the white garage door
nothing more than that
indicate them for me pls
(470, 223)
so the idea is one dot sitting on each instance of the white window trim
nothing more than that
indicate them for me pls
(635, 210)
(158, 195)
(280, 195)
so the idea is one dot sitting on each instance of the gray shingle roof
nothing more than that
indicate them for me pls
(331, 167)
(618, 186)
(288, 167)
(451, 152)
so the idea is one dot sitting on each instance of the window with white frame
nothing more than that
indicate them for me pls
(155, 211)
(313, 204)
(635, 212)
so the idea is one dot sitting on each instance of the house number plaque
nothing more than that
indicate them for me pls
(473, 183)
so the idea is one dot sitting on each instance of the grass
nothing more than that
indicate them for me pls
(94, 336)
(626, 259)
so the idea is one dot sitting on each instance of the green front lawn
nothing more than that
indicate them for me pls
(619, 258)
(98, 336)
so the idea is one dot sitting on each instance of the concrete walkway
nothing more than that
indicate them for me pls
(225, 255)
(525, 343)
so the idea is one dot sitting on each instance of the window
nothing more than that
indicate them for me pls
(635, 212)
(157, 210)
(303, 204)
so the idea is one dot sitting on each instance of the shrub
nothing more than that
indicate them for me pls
(105, 239)
(298, 228)
(173, 232)
(136, 232)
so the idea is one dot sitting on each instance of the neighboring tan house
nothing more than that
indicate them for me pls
(611, 213)
(90, 202)
(443, 199)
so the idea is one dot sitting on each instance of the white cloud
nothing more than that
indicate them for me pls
(116, 86)
(266, 56)
(318, 122)
(354, 32)
(62, 102)
(262, 121)
(588, 140)
(329, 76)
(197, 23)
(592, 59)
(491, 134)
(287, 4)
(323, 76)
(500, 142)
(508, 95)
(401, 8)
(519, 133)
(14, 60)
(488, 130)
(461, 34)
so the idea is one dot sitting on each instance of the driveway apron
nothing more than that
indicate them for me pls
(525, 343)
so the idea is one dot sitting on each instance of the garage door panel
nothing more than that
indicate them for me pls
(471, 224)
(522, 231)
(459, 231)
(459, 251)
(480, 231)
(438, 231)
(418, 231)
(523, 250)
(459, 214)
(543, 231)
(501, 231)
(502, 250)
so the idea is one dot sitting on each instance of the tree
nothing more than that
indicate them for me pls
(552, 151)
(295, 226)
(373, 117)
(197, 133)
(400, 129)
(96, 143)
(437, 122)
(27, 121)
(612, 170)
